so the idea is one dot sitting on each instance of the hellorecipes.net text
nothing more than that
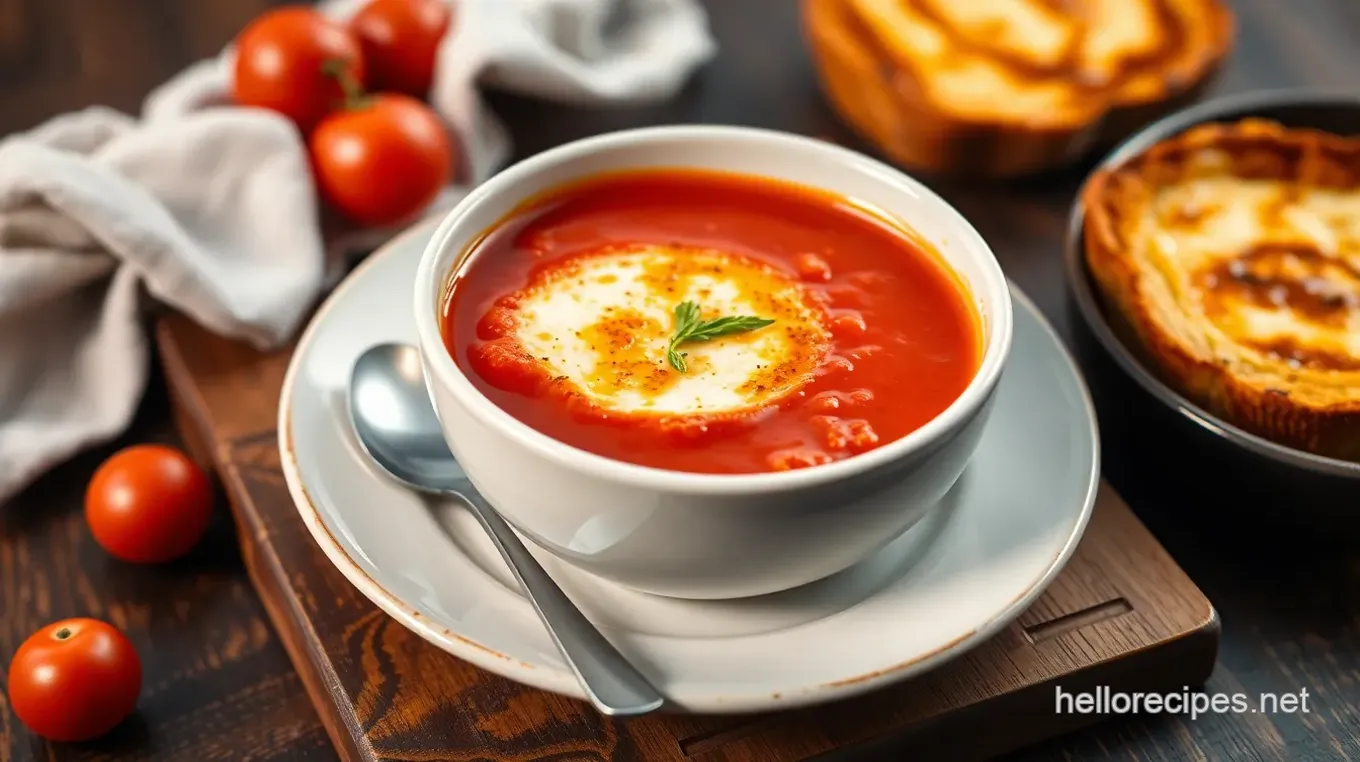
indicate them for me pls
(1103, 700)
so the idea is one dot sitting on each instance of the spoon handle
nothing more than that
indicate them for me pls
(614, 686)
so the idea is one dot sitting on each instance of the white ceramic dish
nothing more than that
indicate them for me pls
(1001, 535)
(701, 535)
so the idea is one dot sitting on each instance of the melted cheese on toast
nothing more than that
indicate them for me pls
(1010, 87)
(1038, 62)
(1231, 254)
(1272, 265)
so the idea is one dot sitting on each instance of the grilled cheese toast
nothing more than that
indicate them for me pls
(1008, 87)
(1231, 254)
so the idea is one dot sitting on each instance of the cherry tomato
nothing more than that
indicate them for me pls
(148, 504)
(400, 39)
(382, 160)
(74, 680)
(287, 60)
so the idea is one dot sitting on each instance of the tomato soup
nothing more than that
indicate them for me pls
(713, 323)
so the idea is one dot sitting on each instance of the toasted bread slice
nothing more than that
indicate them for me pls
(1231, 255)
(1008, 87)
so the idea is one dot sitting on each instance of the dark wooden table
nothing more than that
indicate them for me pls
(218, 684)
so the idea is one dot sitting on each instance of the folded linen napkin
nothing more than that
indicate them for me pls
(210, 209)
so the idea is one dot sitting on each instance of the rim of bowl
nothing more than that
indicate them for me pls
(992, 288)
(1089, 301)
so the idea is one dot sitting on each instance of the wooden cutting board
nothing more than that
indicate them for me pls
(1122, 615)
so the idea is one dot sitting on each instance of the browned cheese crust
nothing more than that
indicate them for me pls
(1010, 87)
(1230, 255)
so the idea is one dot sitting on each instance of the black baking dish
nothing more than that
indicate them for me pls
(1176, 438)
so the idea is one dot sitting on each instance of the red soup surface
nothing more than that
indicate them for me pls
(708, 322)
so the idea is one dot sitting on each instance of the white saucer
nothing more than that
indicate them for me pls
(953, 581)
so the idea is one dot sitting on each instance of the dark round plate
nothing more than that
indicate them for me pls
(1246, 453)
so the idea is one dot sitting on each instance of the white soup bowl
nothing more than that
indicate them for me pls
(710, 535)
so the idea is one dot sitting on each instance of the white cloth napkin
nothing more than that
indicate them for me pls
(210, 209)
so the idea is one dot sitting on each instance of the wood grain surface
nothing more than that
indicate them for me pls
(221, 687)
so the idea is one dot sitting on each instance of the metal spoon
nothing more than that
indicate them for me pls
(397, 427)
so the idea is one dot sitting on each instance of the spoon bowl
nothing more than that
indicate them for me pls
(402, 435)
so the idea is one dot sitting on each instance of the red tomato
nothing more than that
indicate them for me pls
(148, 504)
(74, 680)
(287, 60)
(383, 160)
(400, 39)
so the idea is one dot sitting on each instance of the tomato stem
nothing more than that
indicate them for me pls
(355, 96)
(62, 634)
